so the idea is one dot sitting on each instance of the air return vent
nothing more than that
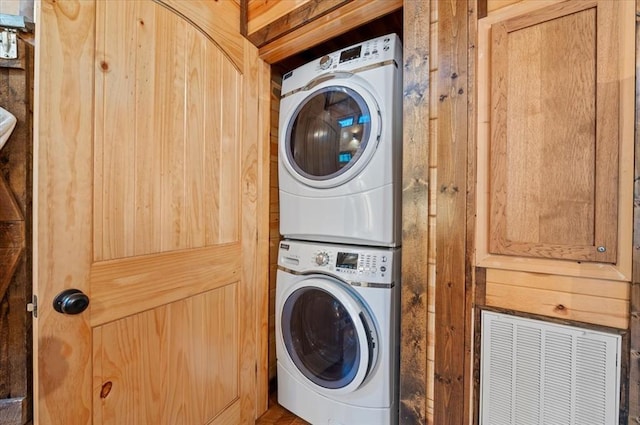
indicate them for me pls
(538, 373)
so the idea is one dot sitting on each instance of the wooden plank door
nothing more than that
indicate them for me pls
(149, 177)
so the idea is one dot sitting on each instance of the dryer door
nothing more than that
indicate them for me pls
(331, 135)
(328, 334)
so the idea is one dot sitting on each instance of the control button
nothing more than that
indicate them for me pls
(322, 258)
(375, 52)
(383, 269)
(384, 259)
(373, 269)
(385, 48)
(386, 39)
(325, 62)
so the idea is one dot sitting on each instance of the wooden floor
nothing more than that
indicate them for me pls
(278, 415)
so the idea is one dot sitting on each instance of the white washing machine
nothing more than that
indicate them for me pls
(340, 146)
(337, 332)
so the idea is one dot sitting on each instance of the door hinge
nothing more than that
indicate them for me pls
(8, 44)
(33, 306)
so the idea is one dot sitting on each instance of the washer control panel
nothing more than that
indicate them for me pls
(351, 262)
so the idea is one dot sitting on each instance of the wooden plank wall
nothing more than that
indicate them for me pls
(16, 95)
(418, 266)
(634, 363)
(451, 377)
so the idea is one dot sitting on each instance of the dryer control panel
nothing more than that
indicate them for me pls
(380, 51)
(348, 262)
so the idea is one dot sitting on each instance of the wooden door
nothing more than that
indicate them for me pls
(149, 199)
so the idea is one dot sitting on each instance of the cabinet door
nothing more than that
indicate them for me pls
(554, 132)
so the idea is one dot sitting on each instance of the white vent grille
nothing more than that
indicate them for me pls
(539, 373)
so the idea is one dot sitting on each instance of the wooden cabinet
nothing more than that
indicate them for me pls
(555, 135)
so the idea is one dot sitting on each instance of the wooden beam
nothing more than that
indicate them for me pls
(482, 9)
(295, 19)
(9, 208)
(451, 199)
(415, 212)
(349, 16)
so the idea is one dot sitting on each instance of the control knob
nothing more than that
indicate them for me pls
(322, 258)
(325, 62)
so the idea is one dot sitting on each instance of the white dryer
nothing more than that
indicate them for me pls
(340, 146)
(337, 332)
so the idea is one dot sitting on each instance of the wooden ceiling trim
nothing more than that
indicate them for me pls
(349, 16)
(282, 25)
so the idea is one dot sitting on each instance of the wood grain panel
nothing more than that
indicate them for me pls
(266, 24)
(12, 236)
(493, 5)
(254, 221)
(471, 281)
(16, 194)
(634, 322)
(159, 320)
(123, 286)
(9, 208)
(63, 183)
(264, 12)
(554, 189)
(219, 21)
(196, 81)
(537, 206)
(415, 214)
(552, 303)
(229, 189)
(569, 284)
(521, 15)
(153, 201)
(148, 236)
(351, 15)
(274, 215)
(116, 148)
(162, 366)
(262, 97)
(450, 315)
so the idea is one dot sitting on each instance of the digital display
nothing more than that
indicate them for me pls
(353, 53)
(364, 119)
(347, 260)
(345, 122)
(344, 157)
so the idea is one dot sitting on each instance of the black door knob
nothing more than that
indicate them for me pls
(71, 301)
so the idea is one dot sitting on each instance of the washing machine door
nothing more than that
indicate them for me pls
(328, 334)
(332, 134)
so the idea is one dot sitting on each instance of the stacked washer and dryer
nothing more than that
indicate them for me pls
(338, 279)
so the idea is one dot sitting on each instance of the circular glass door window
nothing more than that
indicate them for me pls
(328, 133)
(322, 339)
